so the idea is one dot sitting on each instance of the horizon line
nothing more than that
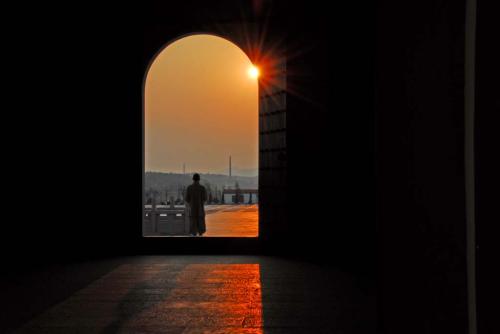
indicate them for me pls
(189, 173)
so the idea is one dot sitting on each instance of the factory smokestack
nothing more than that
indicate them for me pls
(230, 166)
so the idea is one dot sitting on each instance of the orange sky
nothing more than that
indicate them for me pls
(200, 107)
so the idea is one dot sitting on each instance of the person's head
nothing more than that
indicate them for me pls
(196, 177)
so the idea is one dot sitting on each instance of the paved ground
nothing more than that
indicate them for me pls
(232, 220)
(214, 294)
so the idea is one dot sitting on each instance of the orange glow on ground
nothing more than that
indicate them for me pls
(164, 298)
(218, 298)
(232, 220)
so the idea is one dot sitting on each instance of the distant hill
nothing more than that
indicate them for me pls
(173, 181)
(241, 171)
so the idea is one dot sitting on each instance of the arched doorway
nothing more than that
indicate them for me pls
(201, 115)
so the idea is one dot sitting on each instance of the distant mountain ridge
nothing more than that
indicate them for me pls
(172, 181)
(242, 171)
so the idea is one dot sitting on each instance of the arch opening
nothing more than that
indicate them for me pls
(201, 115)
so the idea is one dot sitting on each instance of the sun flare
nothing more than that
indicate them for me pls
(253, 72)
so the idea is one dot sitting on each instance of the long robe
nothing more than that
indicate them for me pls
(196, 195)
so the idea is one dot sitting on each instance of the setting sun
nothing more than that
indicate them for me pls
(253, 72)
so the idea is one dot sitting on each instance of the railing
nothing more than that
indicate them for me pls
(165, 220)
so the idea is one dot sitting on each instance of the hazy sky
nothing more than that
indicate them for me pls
(201, 106)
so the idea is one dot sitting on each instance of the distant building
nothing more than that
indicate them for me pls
(242, 196)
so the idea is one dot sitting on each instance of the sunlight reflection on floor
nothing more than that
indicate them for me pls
(233, 221)
(172, 298)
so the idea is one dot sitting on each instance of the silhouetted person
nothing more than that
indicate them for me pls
(196, 195)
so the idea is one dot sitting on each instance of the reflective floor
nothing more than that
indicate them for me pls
(232, 220)
(210, 294)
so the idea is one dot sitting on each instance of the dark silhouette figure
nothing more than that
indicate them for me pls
(196, 196)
